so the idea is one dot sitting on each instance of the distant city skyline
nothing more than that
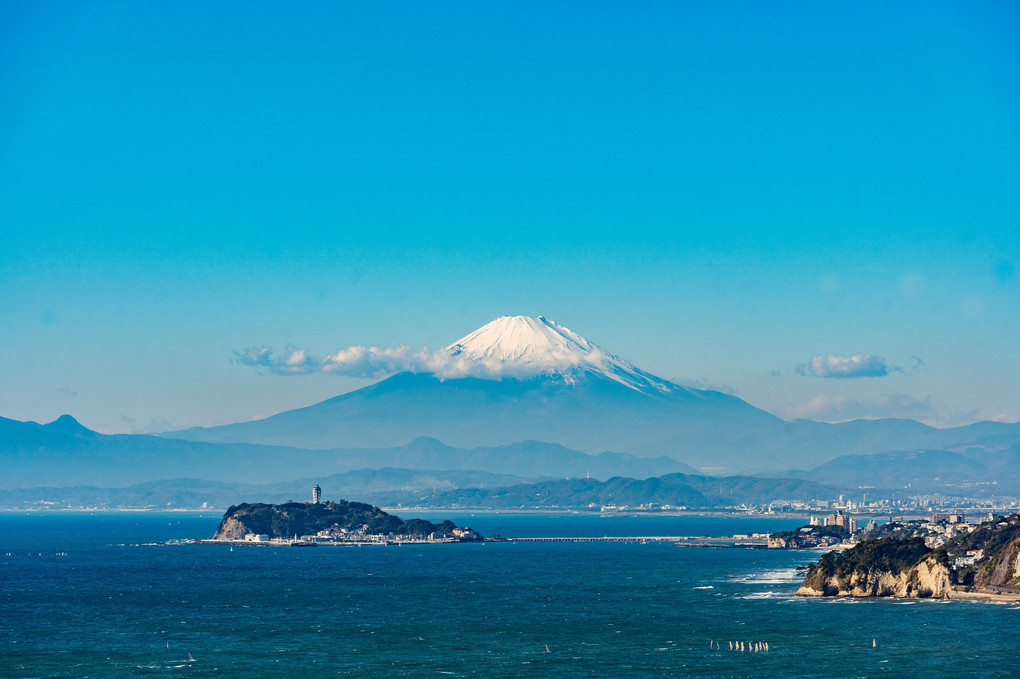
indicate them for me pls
(812, 207)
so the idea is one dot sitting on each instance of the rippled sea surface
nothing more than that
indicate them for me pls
(99, 595)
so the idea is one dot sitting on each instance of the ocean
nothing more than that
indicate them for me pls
(103, 595)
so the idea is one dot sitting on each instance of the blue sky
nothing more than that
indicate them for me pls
(718, 192)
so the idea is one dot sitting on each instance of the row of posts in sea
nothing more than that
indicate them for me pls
(752, 646)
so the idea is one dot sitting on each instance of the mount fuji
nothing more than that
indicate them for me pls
(524, 347)
(528, 378)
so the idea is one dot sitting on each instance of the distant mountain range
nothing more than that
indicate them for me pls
(691, 491)
(64, 453)
(529, 378)
(192, 493)
(713, 432)
(66, 463)
(973, 472)
(435, 488)
(522, 399)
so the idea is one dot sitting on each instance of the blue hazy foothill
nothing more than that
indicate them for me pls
(700, 428)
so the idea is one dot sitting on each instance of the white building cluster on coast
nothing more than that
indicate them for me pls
(860, 506)
(343, 536)
(935, 531)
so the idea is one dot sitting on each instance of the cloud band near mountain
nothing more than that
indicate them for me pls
(845, 367)
(378, 362)
(356, 361)
(841, 408)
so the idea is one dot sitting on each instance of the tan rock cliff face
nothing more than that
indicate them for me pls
(933, 577)
(929, 579)
(230, 529)
(1006, 571)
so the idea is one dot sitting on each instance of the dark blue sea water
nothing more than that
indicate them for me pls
(92, 595)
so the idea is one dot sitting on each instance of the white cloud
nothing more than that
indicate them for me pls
(377, 362)
(254, 356)
(840, 408)
(295, 361)
(358, 361)
(842, 367)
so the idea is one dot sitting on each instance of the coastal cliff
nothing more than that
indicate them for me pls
(983, 562)
(307, 518)
(877, 568)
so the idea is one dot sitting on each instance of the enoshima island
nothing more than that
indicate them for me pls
(306, 524)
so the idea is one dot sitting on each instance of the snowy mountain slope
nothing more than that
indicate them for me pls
(523, 347)
(591, 413)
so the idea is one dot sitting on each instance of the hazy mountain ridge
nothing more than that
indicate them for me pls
(521, 396)
(192, 493)
(706, 429)
(392, 487)
(976, 471)
(50, 458)
(591, 413)
(64, 453)
(691, 491)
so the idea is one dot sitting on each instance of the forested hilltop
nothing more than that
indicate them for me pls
(984, 560)
(307, 518)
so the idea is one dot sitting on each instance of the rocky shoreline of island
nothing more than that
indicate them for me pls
(330, 523)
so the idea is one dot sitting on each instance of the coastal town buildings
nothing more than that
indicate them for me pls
(842, 520)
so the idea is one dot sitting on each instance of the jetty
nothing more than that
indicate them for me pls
(750, 542)
(677, 540)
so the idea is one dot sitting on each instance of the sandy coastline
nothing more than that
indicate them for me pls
(983, 596)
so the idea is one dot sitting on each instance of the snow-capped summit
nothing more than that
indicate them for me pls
(526, 346)
(524, 340)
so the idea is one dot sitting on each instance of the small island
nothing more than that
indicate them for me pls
(981, 564)
(330, 523)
